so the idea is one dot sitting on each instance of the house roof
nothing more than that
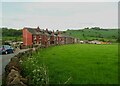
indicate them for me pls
(37, 31)
(34, 31)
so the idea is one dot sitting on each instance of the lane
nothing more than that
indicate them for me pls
(4, 60)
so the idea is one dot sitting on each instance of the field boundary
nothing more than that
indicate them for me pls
(13, 70)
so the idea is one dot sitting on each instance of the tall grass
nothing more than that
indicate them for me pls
(37, 74)
(76, 64)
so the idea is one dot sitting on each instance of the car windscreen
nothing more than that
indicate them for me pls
(6, 46)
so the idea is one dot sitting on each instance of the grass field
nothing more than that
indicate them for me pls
(76, 64)
(90, 34)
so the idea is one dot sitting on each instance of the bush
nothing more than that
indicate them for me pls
(38, 75)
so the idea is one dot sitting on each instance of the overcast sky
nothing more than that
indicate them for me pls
(60, 15)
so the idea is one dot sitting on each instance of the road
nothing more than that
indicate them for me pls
(4, 60)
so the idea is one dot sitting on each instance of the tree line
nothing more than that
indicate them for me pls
(11, 32)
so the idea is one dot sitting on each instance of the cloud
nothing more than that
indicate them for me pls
(60, 15)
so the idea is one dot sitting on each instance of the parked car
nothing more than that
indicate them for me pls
(6, 49)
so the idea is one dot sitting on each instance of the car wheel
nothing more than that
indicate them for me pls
(6, 52)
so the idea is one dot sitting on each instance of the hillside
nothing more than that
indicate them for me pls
(82, 34)
(94, 34)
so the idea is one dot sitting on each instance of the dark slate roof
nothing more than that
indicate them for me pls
(34, 31)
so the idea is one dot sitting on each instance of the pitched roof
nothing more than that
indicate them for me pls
(34, 31)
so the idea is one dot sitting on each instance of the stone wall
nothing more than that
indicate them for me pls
(13, 70)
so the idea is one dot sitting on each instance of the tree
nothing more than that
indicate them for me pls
(11, 32)
(86, 28)
(68, 29)
(96, 28)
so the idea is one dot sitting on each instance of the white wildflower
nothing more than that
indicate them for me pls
(38, 70)
(34, 70)
(20, 61)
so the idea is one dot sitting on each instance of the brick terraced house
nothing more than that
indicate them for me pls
(45, 38)
(31, 36)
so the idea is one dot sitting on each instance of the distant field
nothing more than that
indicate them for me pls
(90, 34)
(82, 63)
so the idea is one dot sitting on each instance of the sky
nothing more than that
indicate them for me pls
(59, 15)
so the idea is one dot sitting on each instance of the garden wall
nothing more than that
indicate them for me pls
(13, 70)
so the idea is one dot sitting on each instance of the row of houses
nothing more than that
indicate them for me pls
(37, 36)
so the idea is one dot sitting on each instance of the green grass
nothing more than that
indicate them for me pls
(90, 34)
(82, 63)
